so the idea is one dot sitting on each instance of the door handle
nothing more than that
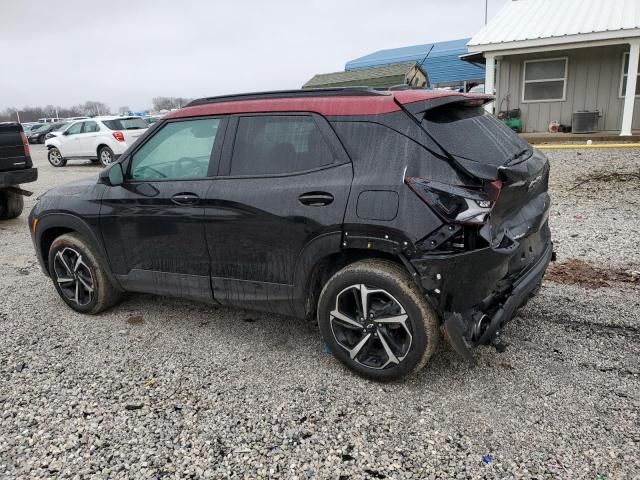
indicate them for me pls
(315, 199)
(185, 198)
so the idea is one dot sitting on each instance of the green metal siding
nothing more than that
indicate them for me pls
(380, 82)
(383, 76)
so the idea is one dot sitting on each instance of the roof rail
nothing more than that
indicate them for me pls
(308, 92)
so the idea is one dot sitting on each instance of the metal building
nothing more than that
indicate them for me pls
(443, 65)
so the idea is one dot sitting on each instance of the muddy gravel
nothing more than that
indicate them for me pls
(164, 388)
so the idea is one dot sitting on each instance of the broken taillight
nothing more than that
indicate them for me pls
(454, 203)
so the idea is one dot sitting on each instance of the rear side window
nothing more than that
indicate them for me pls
(126, 124)
(278, 144)
(384, 154)
(178, 150)
(90, 127)
(471, 133)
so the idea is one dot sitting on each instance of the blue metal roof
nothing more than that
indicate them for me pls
(443, 64)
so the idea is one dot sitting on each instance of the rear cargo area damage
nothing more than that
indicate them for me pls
(487, 259)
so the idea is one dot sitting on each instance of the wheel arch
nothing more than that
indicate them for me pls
(100, 146)
(326, 266)
(54, 225)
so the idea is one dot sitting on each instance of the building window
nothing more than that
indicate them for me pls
(625, 72)
(544, 80)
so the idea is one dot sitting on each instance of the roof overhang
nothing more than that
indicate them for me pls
(560, 43)
(475, 57)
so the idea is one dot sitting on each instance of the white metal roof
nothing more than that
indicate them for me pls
(536, 23)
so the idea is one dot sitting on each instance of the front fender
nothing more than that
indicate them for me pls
(65, 222)
(53, 142)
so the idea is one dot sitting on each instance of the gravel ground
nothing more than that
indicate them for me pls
(158, 387)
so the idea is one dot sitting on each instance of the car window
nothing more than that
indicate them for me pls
(486, 139)
(177, 150)
(277, 144)
(75, 128)
(135, 123)
(90, 127)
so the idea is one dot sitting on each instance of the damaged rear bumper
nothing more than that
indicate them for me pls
(477, 292)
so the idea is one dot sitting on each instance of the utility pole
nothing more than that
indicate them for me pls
(18, 115)
(57, 116)
(485, 10)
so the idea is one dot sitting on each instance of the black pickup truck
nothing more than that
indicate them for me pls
(16, 168)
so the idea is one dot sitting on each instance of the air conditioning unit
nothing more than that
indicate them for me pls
(585, 121)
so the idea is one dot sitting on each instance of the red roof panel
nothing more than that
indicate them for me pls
(324, 105)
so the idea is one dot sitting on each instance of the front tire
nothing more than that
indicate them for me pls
(11, 204)
(375, 320)
(55, 157)
(106, 156)
(79, 277)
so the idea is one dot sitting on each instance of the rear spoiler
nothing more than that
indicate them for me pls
(418, 108)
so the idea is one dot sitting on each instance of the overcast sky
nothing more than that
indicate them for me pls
(124, 53)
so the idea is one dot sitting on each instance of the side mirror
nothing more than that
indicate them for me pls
(112, 175)
(66, 132)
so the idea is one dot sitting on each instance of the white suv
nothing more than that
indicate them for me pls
(101, 139)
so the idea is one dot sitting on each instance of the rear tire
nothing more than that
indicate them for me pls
(55, 157)
(375, 320)
(11, 204)
(106, 156)
(41, 139)
(79, 277)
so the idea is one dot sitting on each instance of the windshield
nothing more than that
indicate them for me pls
(38, 128)
(58, 126)
(135, 123)
(473, 134)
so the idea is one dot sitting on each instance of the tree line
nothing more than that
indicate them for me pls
(87, 109)
(31, 114)
(169, 103)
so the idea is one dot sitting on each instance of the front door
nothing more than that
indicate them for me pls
(284, 185)
(153, 225)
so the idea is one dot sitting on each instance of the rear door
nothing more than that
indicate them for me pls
(87, 138)
(70, 140)
(283, 189)
(153, 224)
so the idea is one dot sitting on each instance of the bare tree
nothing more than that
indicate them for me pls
(93, 108)
(169, 103)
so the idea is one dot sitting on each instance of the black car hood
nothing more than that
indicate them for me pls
(77, 187)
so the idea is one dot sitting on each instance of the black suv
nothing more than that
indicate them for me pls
(388, 216)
